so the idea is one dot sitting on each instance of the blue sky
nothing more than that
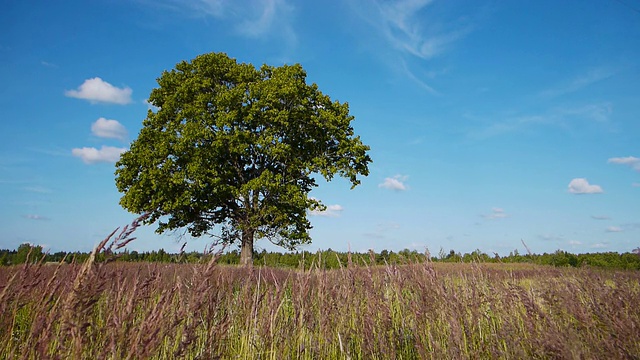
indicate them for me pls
(489, 122)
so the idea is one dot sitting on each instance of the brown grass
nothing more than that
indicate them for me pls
(438, 311)
(116, 310)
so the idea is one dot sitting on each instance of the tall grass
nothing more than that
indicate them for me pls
(121, 311)
(420, 311)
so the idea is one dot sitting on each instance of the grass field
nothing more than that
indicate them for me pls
(421, 311)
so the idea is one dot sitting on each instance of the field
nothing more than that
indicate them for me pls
(420, 311)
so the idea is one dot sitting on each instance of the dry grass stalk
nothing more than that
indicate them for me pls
(430, 310)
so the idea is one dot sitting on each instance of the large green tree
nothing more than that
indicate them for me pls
(232, 152)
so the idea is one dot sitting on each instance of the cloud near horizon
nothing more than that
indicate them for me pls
(91, 155)
(97, 90)
(110, 129)
(580, 186)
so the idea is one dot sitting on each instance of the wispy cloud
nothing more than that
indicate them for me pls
(600, 217)
(381, 230)
(580, 82)
(551, 237)
(563, 118)
(496, 213)
(623, 227)
(635, 184)
(416, 79)
(330, 211)
(599, 246)
(581, 186)
(598, 112)
(269, 16)
(374, 235)
(91, 155)
(35, 217)
(396, 183)
(48, 64)
(111, 129)
(54, 151)
(413, 33)
(405, 27)
(97, 90)
(631, 226)
(631, 161)
(252, 19)
(37, 189)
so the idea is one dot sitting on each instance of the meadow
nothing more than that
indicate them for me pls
(118, 310)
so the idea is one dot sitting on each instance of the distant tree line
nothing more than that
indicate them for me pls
(330, 259)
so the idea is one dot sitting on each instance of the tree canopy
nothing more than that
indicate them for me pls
(232, 151)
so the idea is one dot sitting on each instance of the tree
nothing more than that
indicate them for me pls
(232, 152)
(28, 253)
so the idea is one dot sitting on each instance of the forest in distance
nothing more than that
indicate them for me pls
(330, 259)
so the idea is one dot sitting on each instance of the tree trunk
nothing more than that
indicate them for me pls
(246, 250)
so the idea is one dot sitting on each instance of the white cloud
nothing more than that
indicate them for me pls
(635, 184)
(330, 211)
(496, 213)
(582, 186)
(632, 161)
(91, 155)
(614, 229)
(97, 90)
(600, 217)
(395, 183)
(574, 242)
(111, 129)
(150, 106)
(599, 246)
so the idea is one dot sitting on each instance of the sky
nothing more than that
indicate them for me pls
(491, 123)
